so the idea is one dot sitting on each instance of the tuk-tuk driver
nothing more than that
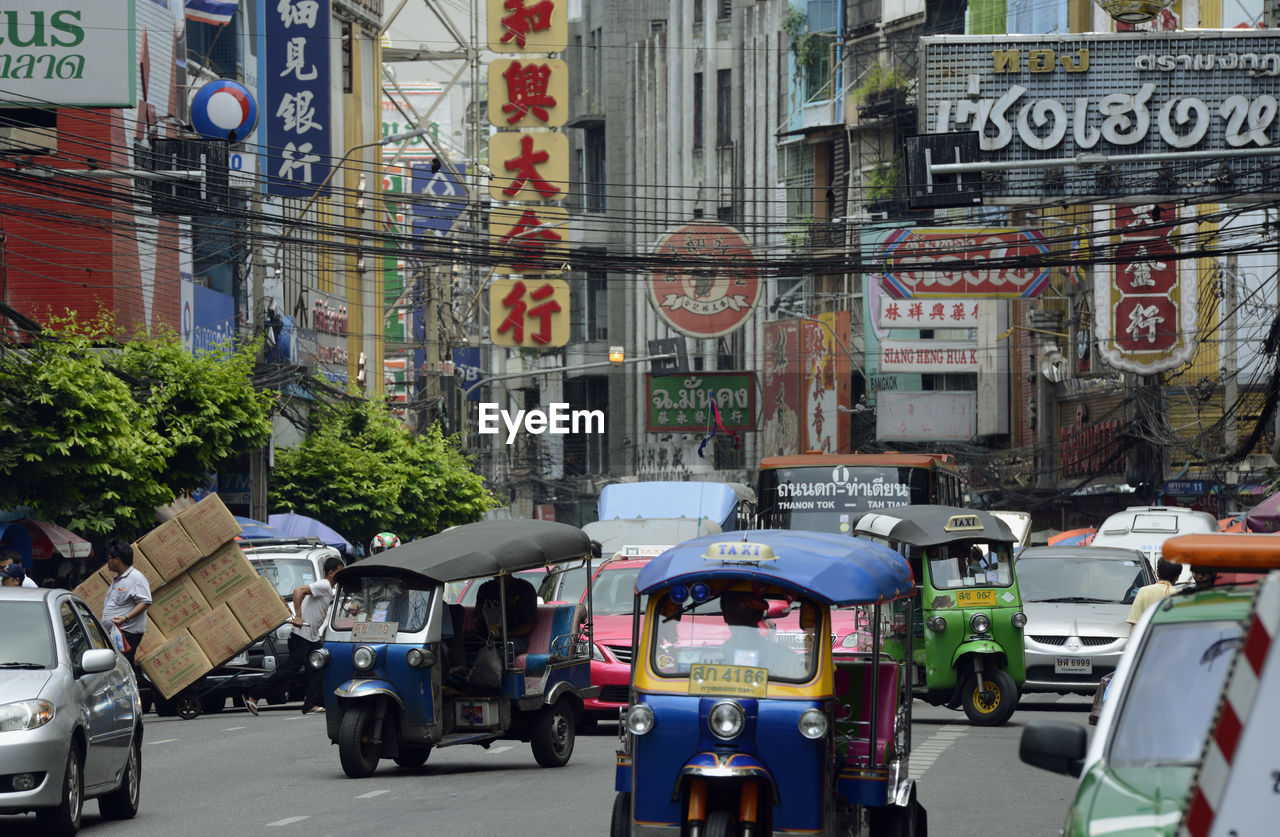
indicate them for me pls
(522, 609)
(743, 609)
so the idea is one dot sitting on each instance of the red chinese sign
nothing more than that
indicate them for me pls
(530, 239)
(532, 313)
(1146, 313)
(539, 26)
(992, 263)
(803, 383)
(925, 313)
(531, 93)
(715, 287)
(529, 167)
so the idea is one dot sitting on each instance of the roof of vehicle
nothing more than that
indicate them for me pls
(714, 501)
(1155, 520)
(489, 547)
(1092, 553)
(668, 531)
(928, 525)
(927, 460)
(31, 594)
(1209, 605)
(835, 569)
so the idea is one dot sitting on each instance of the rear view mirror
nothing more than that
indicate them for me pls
(97, 660)
(1055, 746)
(777, 609)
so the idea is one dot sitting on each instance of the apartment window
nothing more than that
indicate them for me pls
(724, 107)
(725, 10)
(589, 310)
(348, 71)
(697, 111)
(215, 46)
(697, 12)
(593, 172)
(586, 453)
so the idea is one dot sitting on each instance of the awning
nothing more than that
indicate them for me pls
(50, 539)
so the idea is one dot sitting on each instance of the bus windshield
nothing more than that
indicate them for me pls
(824, 498)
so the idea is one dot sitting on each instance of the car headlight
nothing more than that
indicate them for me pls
(419, 658)
(813, 723)
(640, 719)
(937, 624)
(850, 640)
(363, 657)
(318, 658)
(726, 719)
(25, 714)
(597, 654)
(1018, 619)
(980, 623)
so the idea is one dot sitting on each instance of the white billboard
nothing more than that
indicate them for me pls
(73, 53)
(926, 416)
(928, 356)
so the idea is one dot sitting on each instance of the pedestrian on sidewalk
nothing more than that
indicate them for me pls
(127, 599)
(9, 557)
(310, 607)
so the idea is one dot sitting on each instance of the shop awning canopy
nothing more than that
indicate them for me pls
(49, 540)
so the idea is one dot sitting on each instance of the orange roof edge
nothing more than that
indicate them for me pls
(1220, 550)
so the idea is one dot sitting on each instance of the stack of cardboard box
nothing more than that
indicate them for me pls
(207, 603)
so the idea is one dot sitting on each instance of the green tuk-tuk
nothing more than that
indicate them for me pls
(970, 620)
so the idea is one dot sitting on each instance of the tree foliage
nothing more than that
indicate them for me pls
(96, 435)
(361, 472)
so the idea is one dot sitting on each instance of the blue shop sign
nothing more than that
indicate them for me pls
(297, 113)
(1186, 488)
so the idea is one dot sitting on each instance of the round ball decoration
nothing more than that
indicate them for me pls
(222, 108)
(1133, 11)
(707, 284)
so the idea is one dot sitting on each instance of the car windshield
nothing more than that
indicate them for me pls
(1173, 694)
(382, 599)
(1058, 578)
(472, 588)
(26, 640)
(691, 634)
(969, 564)
(286, 574)
(614, 589)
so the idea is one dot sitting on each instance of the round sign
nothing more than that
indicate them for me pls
(222, 107)
(714, 289)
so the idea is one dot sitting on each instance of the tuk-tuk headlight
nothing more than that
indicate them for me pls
(1018, 619)
(726, 719)
(363, 657)
(937, 624)
(813, 723)
(980, 623)
(419, 658)
(318, 658)
(640, 719)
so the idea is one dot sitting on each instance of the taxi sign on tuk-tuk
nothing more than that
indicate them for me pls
(962, 523)
(740, 551)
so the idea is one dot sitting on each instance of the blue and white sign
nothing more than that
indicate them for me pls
(467, 364)
(446, 198)
(1185, 488)
(224, 110)
(295, 47)
(208, 319)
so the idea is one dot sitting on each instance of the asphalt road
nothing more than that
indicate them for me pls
(277, 775)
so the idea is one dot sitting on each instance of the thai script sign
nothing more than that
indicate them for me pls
(1001, 263)
(1032, 97)
(926, 313)
(1146, 313)
(928, 356)
(73, 53)
(683, 404)
(715, 288)
(296, 113)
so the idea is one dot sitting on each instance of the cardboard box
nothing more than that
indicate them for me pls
(152, 640)
(223, 573)
(209, 524)
(94, 592)
(176, 605)
(169, 550)
(220, 635)
(176, 664)
(259, 608)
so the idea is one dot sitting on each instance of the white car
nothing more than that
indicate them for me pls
(70, 714)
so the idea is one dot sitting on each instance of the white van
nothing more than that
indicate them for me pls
(1146, 528)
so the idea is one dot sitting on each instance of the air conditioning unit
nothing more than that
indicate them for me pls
(1260, 461)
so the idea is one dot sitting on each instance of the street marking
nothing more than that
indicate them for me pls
(287, 821)
(232, 729)
(501, 749)
(934, 746)
(372, 794)
(163, 741)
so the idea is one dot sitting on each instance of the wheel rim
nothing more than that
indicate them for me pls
(73, 788)
(132, 777)
(560, 733)
(986, 707)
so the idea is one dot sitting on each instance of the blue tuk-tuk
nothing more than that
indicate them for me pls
(401, 666)
(737, 728)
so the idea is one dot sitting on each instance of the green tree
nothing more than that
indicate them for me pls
(95, 435)
(362, 472)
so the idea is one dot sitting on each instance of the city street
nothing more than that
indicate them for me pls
(233, 774)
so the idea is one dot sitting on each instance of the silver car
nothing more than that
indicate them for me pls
(70, 714)
(1076, 599)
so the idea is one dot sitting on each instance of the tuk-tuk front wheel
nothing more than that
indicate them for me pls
(359, 754)
(552, 736)
(620, 822)
(412, 758)
(721, 823)
(989, 699)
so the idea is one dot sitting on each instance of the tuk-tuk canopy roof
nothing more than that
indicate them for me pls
(931, 525)
(834, 569)
(479, 549)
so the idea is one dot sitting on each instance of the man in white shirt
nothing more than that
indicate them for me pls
(128, 597)
(310, 605)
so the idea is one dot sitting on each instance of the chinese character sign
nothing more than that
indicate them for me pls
(926, 313)
(683, 404)
(527, 25)
(528, 93)
(530, 239)
(949, 262)
(529, 167)
(296, 113)
(1147, 311)
(533, 313)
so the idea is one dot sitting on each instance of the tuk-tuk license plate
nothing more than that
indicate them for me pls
(733, 681)
(1072, 665)
(975, 598)
(374, 631)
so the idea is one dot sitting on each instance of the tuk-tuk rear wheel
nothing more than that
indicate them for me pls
(553, 732)
(996, 705)
(412, 757)
(359, 756)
